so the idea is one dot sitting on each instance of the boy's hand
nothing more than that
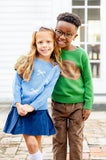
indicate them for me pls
(28, 108)
(85, 114)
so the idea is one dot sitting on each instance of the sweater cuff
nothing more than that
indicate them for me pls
(87, 106)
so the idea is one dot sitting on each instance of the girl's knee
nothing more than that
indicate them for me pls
(32, 147)
(31, 143)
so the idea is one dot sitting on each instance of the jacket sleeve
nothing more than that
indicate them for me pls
(47, 91)
(17, 89)
(88, 84)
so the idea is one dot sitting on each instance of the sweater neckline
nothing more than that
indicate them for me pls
(43, 61)
(71, 51)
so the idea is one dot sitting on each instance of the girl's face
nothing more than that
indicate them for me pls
(45, 44)
(65, 34)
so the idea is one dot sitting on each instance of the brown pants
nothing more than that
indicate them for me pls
(69, 123)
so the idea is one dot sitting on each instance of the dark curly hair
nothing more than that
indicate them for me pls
(70, 18)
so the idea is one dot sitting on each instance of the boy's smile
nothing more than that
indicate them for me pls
(65, 33)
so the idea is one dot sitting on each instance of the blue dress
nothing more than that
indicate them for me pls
(35, 93)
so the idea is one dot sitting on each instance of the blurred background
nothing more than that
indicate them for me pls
(18, 20)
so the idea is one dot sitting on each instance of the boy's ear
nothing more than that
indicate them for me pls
(75, 37)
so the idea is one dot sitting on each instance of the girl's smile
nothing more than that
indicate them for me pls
(45, 44)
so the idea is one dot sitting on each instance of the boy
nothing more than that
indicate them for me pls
(72, 97)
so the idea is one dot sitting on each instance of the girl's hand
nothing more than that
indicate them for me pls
(85, 114)
(28, 108)
(21, 110)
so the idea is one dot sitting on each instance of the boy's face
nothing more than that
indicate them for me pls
(65, 33)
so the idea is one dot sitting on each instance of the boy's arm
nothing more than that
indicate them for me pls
(86, 114)
(87, 78)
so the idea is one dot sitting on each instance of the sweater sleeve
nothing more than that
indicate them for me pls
(17, 89)
(87, 78)
(47, 91)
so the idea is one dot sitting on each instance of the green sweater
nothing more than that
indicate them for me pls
(75, 82)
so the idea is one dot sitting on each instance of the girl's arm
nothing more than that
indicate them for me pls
(47, 91)
(17, 89)
(28, 108)
(17, 95)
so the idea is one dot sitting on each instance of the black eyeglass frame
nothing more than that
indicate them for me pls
(66, 35)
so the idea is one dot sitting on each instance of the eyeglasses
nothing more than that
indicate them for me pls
(66, 35)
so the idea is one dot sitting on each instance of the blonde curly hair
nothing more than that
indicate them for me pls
(24, 65)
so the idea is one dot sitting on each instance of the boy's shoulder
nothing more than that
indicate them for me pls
(78, 53)
(83, 54)
(78, 49)
(82, 49)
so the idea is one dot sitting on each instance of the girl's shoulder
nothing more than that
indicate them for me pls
(57, 67)
(19, 62)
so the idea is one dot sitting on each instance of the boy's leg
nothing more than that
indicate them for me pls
(60, 138)
(75, 132)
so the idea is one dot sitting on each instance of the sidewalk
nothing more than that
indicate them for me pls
(14, 148)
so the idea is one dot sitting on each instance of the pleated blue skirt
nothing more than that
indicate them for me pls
(34, 123)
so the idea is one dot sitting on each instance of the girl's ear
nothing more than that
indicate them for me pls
(75, 37)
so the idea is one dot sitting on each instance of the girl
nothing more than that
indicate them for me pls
(37, 73)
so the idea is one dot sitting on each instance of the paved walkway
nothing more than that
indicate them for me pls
(14, 148)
